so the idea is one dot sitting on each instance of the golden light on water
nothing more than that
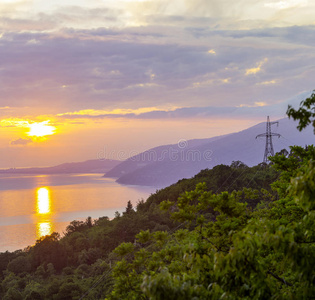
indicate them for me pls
(43, 209)
(43, 229)
(43, 201)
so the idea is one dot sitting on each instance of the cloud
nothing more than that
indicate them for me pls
(119, 112)
(190, 58)
(144, 85)
(222, 14)
(257, 69)
(150, 113)
(286, 4)
(14, 122)
(20, 142)
(107, 69)
(226, 12)
(258, 108)
(299, 35)
(268, 82)
(260, 103)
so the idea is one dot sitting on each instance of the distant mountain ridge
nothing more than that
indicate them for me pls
(89, 166)
(164, 165)
(156, 155)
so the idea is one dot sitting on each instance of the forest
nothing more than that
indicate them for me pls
(231, 232)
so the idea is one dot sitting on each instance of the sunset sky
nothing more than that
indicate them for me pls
(80, 79)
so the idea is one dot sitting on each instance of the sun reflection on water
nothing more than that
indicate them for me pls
(43, 209)
(43, 201)
(43, 229)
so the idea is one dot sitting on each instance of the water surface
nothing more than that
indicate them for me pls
(32, 206)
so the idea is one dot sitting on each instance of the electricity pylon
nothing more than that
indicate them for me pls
(269, 147)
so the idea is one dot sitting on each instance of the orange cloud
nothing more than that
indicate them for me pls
(118, 111)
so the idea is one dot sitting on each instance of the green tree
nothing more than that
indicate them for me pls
(48, 249)
(19, 265)
(69, 291)
(305, 114)
(129, 208)
(13, 294)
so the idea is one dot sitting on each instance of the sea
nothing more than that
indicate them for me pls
(32, 206)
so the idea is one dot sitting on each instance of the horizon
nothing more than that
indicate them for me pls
(82, 77)
(122, 156)
(132, 152)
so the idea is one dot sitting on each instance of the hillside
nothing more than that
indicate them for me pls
(165, 165)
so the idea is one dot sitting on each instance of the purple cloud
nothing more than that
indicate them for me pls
(21, 142)
(113, 68)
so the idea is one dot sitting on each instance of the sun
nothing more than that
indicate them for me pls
(40, 129)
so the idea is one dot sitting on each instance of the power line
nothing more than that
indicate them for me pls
(268, 135)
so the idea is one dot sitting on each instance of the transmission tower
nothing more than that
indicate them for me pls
(269, 147)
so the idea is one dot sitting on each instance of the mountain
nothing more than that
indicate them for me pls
(89, 166)
(158, 154)
(164, 165)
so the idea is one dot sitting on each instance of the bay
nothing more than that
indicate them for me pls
(33, 206)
